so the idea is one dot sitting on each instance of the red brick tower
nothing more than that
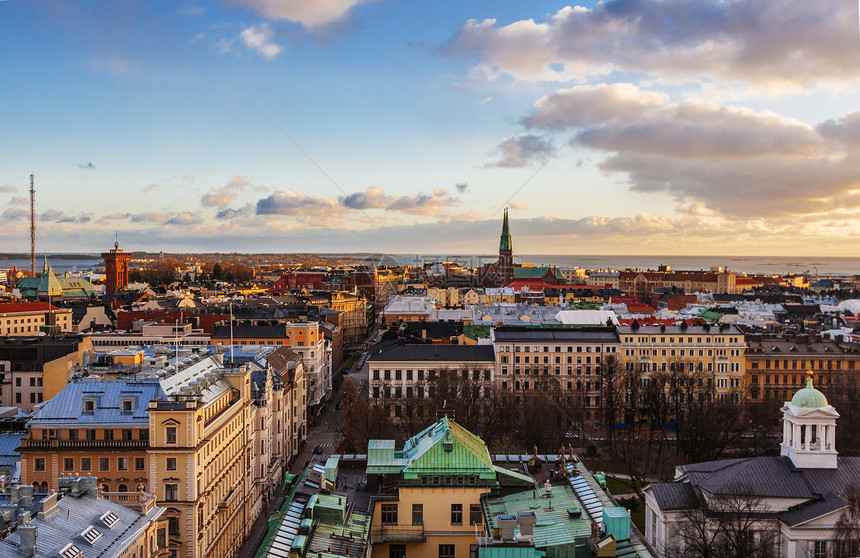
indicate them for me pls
(116, 269)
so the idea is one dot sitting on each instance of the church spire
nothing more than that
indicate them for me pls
(505, 241)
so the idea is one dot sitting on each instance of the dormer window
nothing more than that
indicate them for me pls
(126, 404)
(91, 535)
(89, 405)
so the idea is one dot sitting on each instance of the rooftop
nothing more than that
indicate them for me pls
(434, 353)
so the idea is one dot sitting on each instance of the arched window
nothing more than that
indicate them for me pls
(35, 486)
(122, 488)
(44, 489)
(105, 487)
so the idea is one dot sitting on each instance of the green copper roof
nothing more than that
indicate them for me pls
(537, 272)
(505, 242)
(48, 284)
(444, 448)
(809, 397)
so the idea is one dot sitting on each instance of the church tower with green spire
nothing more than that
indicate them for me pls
(506, 255)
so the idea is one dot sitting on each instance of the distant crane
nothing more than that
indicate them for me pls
(32, 228)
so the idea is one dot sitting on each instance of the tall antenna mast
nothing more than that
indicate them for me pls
(32, 228)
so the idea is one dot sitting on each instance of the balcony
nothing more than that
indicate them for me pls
(140, 501)
(397, 534)
(85, 444)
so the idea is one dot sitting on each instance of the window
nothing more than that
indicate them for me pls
(417, 514)
(89, 405)
(171, 463)
(173, 525)
(108, 434)
(122, 464)
(126, 434)
(68, 464)
(456, 514)
(143, 435)
(91, 434)
(85, 464)
(171, 494)
(104, 463)
(73, 434)
(32, 382)
(819, 549)
(138, 464)
(397, 551)
(389, 514)
(39, 464)
(446, 550)
(171, 435)
(476, 516)
(161, 539)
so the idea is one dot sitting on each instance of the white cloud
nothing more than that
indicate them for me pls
(308, 13)
(769, 43)
(261, 39)
(427, 205)
(313, 210)
(520, 151)
(221, 197)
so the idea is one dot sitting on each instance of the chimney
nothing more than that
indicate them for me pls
(507, 523)
(27, 534)
(25, 495)
(526, 521)
(86, 485)
(48, 505)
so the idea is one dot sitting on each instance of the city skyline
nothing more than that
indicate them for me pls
(613, 127)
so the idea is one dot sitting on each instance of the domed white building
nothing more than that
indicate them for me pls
(786, 506)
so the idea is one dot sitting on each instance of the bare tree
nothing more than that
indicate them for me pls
(725, 526)
(611, 380)
(359, 421)
(848, 526)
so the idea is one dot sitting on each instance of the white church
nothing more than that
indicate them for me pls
(798, 497)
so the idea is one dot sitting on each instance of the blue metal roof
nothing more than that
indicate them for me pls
(67, 406)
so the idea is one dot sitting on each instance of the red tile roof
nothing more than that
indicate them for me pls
(13, 307)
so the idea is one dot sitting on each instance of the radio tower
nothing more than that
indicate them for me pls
(32, 228)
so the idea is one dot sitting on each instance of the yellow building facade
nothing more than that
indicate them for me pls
(717, 352)
(211, 440)
(428, 501)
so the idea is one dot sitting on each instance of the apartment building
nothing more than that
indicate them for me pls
(428, 495)
(305, 338)
(718, 351)
(28, 318)
(777, 365)
(408, 370)
(530, 359)
(209, 438)
(150, 334)
(34, 369)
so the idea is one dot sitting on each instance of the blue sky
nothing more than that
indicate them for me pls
(626, 126)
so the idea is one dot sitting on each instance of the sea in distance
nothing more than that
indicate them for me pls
(815, 265)
(820, 265)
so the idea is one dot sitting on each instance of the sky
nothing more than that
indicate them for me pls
(677, 127)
